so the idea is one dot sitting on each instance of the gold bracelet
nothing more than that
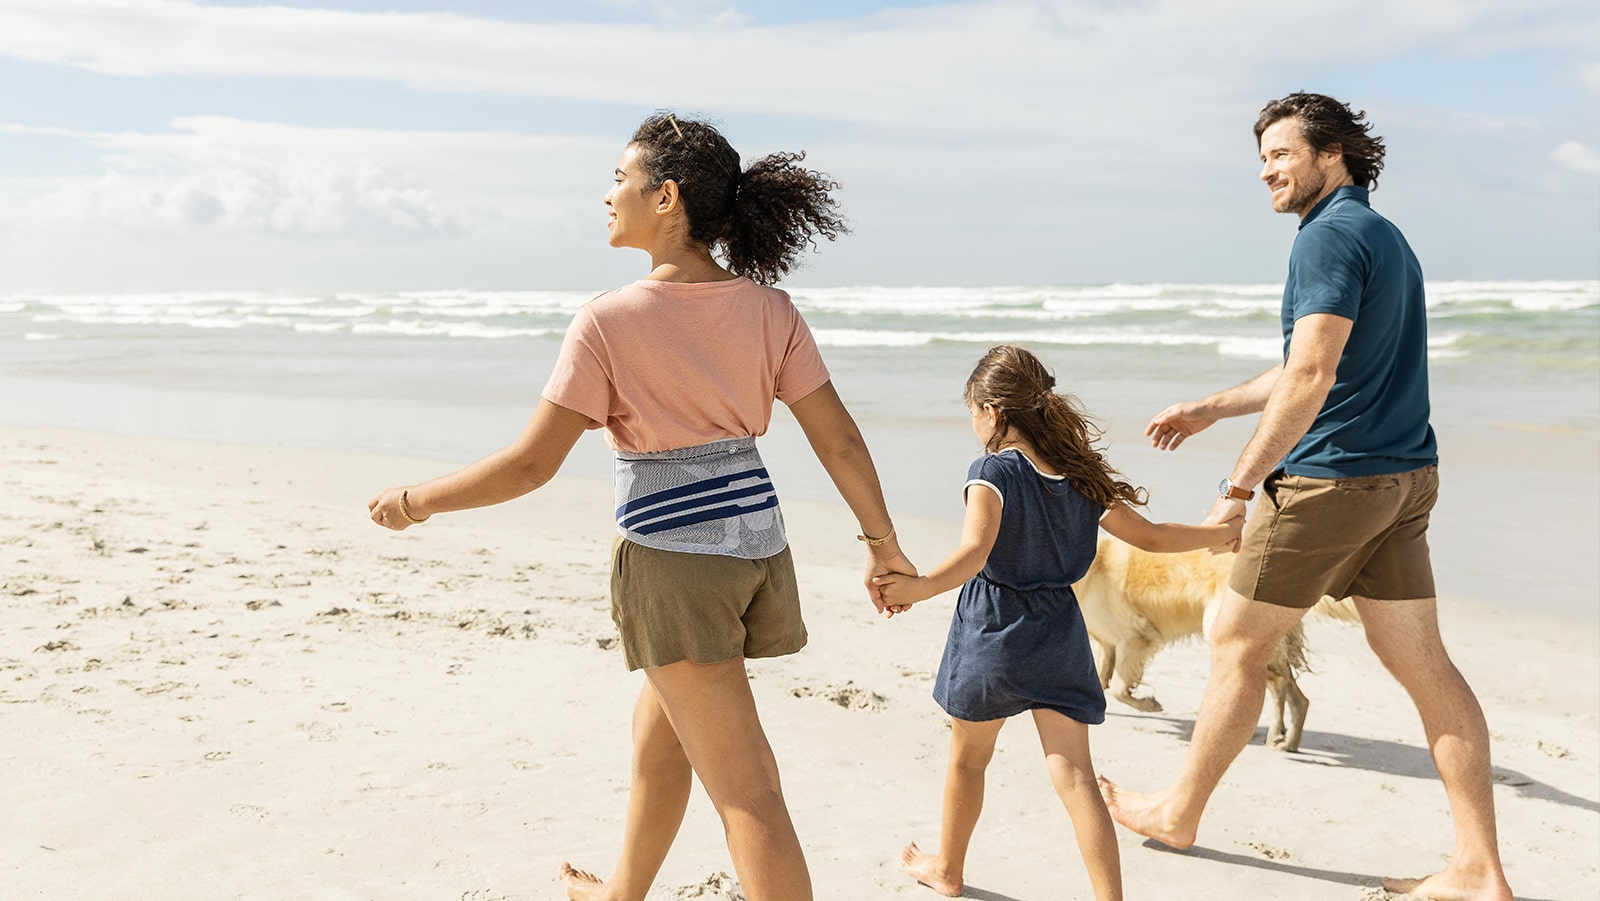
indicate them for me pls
(407, 513)
(874, 542)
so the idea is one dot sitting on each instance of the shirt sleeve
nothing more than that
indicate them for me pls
(802, 371)
(582, 380)
(1330, 272)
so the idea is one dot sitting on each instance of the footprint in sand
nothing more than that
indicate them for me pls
(718, 886)
(847, 696)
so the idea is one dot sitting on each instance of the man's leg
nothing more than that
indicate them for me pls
(1241, 642)
(1405, 635)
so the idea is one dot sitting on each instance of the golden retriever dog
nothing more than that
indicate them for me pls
(1135, 603)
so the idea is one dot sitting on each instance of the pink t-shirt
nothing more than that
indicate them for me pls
(664, 365)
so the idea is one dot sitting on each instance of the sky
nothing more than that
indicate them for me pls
(381, 145)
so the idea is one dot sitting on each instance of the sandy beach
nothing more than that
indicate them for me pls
(219, 680)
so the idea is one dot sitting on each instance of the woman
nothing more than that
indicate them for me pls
(681, 369)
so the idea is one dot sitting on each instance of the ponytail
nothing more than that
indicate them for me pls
(1017, 384)
(760, 218)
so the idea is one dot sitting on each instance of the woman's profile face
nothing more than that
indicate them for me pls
(633, 221)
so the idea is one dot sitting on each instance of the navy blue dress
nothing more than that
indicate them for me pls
(1017, 640)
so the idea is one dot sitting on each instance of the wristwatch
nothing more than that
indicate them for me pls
(1228, 489)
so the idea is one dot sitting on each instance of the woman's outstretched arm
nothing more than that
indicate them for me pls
(514, 470)
(842, 451)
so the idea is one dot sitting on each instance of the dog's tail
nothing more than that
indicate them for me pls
(1289, 657)
(1342, 611)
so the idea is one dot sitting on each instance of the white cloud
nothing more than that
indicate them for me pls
(1589, 76)
(1577, 157)
(229, 175)
(1017, 67)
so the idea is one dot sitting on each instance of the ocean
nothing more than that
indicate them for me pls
(451, 375)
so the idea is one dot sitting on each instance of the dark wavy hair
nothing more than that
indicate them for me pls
(1017, 384)
(1328, 124)
(759, 218)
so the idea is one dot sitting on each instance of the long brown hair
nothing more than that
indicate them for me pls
(1017, 384)
(1326, 124)
(761, 218)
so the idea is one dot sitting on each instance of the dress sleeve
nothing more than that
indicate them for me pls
(582, 380)
(985, 471)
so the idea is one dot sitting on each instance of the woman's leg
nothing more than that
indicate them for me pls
(1066, 752)
(658, 794)
(714, 715)
(971, 748)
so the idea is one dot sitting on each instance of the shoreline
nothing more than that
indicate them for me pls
(222, 681)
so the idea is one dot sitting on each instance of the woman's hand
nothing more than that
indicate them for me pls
(884, 560)
(391, 510)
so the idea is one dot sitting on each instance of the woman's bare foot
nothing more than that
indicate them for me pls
(1448, 886)
(925, 869)
(1145, 814)
(582, 886)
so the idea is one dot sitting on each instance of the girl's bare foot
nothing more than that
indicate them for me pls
(582, 886)
(925, 869)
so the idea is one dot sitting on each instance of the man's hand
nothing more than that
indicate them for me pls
(1225, 511)
(1177, 422)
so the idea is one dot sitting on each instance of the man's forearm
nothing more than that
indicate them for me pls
(1289, 411)
(1243, 399)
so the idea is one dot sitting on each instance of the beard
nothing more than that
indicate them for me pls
(1303, 196)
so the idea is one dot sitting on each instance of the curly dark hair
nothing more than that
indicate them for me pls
(760, 218)
(1017, 384)
(1327, 124)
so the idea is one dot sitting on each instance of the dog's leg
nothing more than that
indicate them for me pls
(1105, 660)
(1287, 660)
(1298, 705)
(1132, 656)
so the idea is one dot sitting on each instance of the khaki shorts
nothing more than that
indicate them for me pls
(1365, 536)
(671, 606)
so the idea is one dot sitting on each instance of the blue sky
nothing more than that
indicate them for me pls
(401, 144)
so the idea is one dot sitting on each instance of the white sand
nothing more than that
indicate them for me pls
(219, 680)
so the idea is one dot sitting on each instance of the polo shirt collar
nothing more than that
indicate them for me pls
(1348, 192)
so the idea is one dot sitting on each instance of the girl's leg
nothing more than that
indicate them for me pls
(1066, 752)
(971, 748)
(658, 795)
(714, 715)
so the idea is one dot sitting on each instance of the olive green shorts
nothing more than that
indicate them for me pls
(671, 606)
(1365, 536)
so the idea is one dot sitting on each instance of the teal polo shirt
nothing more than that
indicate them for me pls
(1351, 262)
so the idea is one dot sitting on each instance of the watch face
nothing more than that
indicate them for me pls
(1223, 486)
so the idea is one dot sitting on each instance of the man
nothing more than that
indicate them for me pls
(1346, 456)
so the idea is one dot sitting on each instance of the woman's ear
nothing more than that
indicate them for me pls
(667, 196)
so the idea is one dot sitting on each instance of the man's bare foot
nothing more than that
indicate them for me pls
(925, 869)
(1145, 814)
(582, 886)
(1448, 886)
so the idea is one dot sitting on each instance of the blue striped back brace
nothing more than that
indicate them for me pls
(708, 499)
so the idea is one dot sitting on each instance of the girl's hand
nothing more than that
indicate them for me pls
(900, 590)
(1230, 542)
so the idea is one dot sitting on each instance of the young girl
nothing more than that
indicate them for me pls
(1017, 640)
(681, 369)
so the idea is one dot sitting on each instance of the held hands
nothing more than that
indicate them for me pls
(1228, 512)
(898, 591)
(1177, 422)
(882, 561)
